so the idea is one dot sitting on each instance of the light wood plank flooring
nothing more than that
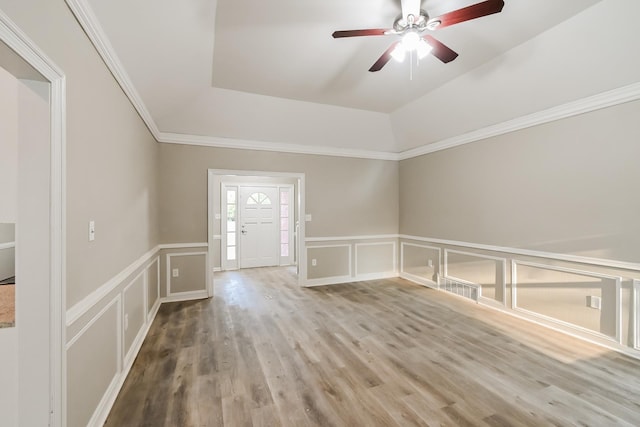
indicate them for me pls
(264, 352)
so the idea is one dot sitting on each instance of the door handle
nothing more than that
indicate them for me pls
(244, 231)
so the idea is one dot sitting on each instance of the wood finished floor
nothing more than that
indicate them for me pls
(264, 352)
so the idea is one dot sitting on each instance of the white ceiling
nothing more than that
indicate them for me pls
(270, 72)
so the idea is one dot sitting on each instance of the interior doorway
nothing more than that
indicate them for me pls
(256, 219)
(32, 352)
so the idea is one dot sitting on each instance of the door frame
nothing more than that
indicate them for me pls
(12, 36)
(213, 239)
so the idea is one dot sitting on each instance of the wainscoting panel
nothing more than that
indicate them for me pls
(636, 314)
(153, 287)
(332, 264)
(578, 298)
(420, 263)
(94, 356)
(484, 271)
(134, 314)
(375, 260)
(186, 275)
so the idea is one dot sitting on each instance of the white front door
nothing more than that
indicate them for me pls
(259, 217)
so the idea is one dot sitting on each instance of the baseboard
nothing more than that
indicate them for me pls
(419, 280)
(337, 280)
(185, 296)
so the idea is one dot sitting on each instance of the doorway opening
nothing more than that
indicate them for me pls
(256, 219)
(32, 363)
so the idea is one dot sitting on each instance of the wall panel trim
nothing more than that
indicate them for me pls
(616, 279)
(88, 302)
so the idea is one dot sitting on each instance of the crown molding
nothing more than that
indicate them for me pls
(89, 22)
(243, 144)
(585, 105)
(91, 26)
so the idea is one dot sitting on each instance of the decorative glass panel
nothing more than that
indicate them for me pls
(231, 226)
(231, 212)
(231, 253)
(231, 239)
(284, 236)
(252, 201)
(284, 211)
(284, 250)
(284, 197)
(284, 223)
(231, 197)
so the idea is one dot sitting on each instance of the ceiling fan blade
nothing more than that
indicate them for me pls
(440, 51)
(382, 61)
(468, 13)
(358, 33)
(410, 7)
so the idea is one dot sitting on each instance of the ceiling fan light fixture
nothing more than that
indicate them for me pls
(423, 49)
(398, 53)
(410, 41)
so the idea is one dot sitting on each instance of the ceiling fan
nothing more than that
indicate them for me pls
(413, 22)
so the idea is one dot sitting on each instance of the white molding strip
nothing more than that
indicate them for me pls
(23, 46)
(585, 105)
(85, 304)
(243, 144)
(394, 260)
(636, 316)
(168, 275)
(616, 279)
(334, 280)
(182, 245)
(87, 19)
(7, 245)
(85, 15)
(350, 238)
(623, 265)
(186, 296)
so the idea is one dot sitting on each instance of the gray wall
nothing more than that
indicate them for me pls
(569, 186)
(111, 156)
(344, 196)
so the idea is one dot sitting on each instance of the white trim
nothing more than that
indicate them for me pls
(109, 396)
(7, 245)
(585, 105)
(244, 144)
(85, 16)
(90, 24)
(416, 278)
(148, 310)
(623, 265)
(351, 238)
(635, 306)
(217, 237)
(333, 280)
(85, 304)
(186, 296)
(419, 280)
(618, 281)
(301, 201)
(24, 47)
(394, 262)
(127, 355)
(374, 276)
(168, 262)
(329, 280)
(182, 245)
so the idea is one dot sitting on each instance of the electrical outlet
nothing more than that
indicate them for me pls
(594, 301)
(314, 262)
(175, 272)
(430, 263)
(126, 322)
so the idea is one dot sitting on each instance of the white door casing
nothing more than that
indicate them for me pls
(259, 218)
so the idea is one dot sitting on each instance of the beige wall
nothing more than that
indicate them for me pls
(111, 156)
(567, 186)
(8, 146)
(344, 196)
